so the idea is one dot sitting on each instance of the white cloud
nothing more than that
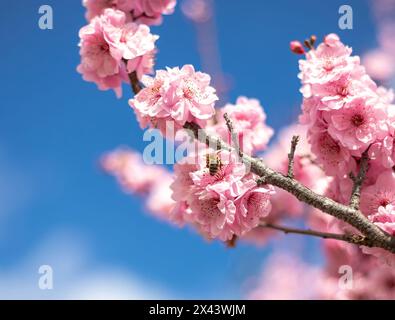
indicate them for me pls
(74, 275)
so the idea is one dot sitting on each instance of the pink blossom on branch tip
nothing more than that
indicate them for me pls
(176, 96)
(104, 45)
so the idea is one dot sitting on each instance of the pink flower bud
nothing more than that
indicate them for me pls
(296, 47)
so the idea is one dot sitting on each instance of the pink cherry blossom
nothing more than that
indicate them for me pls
(345, 110)
(97, 61)
(253, 205)
(381, 193)
(328, 62)
(249, 121)
(148, 12)
(128, 41)
(385, 218)
(358, 124)
(106, 42)
(223, 204)
(175, 95)
(335, 159)
(310, 108)
(335, 95)
(130, 170)
(151, 181)
(96, 7)
(383, 150)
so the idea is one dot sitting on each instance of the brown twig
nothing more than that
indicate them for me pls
(291, 156)
(234, 135)
(358, 180)
(134, 81)
(350, 238)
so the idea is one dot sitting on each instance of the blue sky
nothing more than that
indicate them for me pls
(54, 127)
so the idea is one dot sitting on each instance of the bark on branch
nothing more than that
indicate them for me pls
(358, 180)
(291, 156)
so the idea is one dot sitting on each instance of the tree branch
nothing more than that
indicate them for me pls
(353, 217)
(358, 180)
(374, 236)
(291, 156)
(350, 238)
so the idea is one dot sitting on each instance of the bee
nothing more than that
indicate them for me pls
(213, 163)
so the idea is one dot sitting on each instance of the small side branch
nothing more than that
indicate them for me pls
(233, 134)
(358, 180)
(291, 156)
(134, 82)
(350, 238)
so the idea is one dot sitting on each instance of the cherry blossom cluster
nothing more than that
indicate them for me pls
(348, 114)
(112, 48)
(174, 96)
(345, 111)
(227, 204)
(220, 204)
(287, 276)
(150, 181)
(148, 12)
(215, 192)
